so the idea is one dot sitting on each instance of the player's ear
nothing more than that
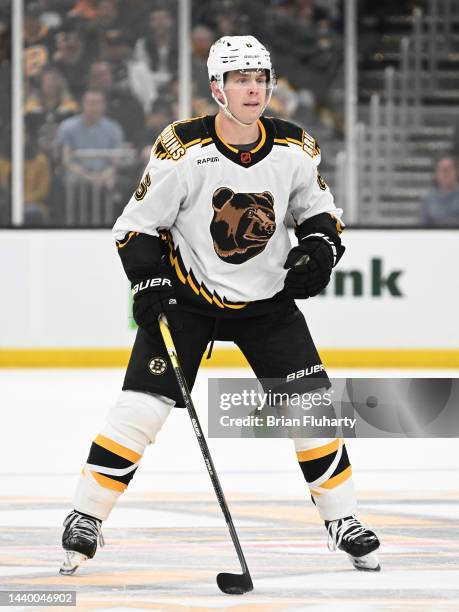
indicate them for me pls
(221, 196)
(216, 91)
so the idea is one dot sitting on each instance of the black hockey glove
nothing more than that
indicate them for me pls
(155, 295)
(307, 279)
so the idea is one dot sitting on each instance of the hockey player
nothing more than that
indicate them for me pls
(204, 240)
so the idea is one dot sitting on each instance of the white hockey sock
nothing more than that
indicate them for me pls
(132, 424)
(327, 470)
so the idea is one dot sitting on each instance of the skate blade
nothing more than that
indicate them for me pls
(367, 563)
(71, 563)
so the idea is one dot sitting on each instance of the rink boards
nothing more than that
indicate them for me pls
(391, 302)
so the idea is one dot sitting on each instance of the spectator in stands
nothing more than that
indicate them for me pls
(441, 207)
(5, 38)
(105, 25)
(37, 181)
(36, 184)
(107, 15)
(38, 42)
(308, 52)
(118, 51)
(5, 178)
(202, 39)
(91, 131)
(70, 58)
(284, 101)
(5, 76)
(159, 48)
(121, 104)
(134, 15)
(46, 107)
(84, 8)
(5, 115)
(129, 74)
(50, 14)
(164, 112)
(227, 23)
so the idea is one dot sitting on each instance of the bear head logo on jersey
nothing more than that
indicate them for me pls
(242, 224)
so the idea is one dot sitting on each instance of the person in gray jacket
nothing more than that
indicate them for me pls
(441, 207)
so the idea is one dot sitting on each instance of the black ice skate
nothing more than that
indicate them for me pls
(79, 540)
(359, 542)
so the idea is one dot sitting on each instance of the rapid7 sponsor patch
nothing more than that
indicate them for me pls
(207, 160)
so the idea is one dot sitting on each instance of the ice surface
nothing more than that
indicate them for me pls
(167, 539)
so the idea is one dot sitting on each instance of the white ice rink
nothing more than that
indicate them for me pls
(166, 540)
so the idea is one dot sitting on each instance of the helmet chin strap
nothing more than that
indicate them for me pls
(229, 114)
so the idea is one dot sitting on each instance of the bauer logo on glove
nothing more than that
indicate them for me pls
(154, 296)
(152, 282)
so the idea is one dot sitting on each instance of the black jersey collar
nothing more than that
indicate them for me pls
(246, 159)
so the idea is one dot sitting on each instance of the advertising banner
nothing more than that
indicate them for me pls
(394, 290)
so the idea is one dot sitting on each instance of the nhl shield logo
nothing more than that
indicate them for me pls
(157, 366)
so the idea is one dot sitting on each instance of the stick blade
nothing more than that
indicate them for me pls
(234, 584)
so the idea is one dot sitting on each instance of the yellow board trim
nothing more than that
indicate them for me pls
(338, 479)
(317, 453)
(109, 483)
(117, 449)
(229, 358)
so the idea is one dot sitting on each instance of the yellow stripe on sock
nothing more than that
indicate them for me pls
(317, 453)
(109, 483)
(117, 449)
(338, 479)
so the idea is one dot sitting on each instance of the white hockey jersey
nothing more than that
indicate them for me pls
(226, 210)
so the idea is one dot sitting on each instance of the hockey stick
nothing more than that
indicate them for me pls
(232, 584)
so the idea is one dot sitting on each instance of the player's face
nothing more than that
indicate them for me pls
(246, 93)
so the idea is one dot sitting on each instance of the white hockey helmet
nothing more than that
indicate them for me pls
(238, 53)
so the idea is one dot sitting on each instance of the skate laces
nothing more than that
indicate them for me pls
(349, 528)
(85, 527)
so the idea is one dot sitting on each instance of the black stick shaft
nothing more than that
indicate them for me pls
(201, 439)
